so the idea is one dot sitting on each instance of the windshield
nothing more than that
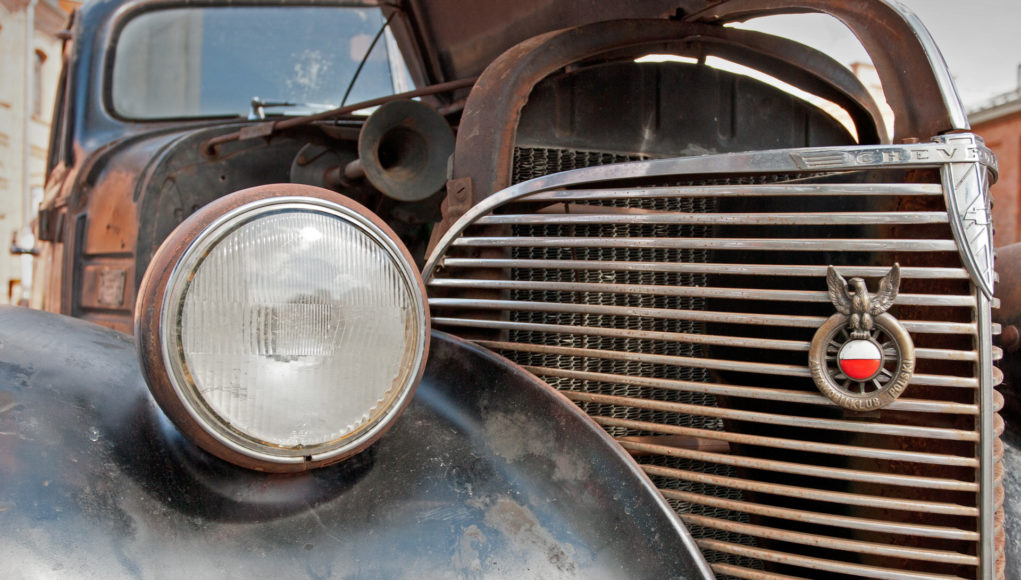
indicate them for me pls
(214, 61)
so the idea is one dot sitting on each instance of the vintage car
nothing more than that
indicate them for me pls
(648, 293)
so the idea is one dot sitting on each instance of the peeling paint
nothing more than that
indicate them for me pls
(467, 559)
(515, 435)
(6, 402)
(526, 533)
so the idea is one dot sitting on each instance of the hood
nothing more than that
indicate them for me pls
(445, 40)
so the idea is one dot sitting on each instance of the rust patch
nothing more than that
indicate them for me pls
(467, 560)
(6, 402)
(515, 435)
(524, 531)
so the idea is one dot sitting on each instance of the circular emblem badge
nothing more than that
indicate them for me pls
(858, 372)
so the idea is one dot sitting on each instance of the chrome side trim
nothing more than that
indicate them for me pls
(966, 188)
(986, 396)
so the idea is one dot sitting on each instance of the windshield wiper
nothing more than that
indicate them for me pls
(257, 108)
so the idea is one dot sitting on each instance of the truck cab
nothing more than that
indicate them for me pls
(763, 301)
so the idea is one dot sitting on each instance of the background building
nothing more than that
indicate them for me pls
(30, 46)
(999, 123)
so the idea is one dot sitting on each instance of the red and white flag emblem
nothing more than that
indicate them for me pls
(860, 359)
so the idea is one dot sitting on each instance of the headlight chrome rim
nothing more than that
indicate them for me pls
(162, 299)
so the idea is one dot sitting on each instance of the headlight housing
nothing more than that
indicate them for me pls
(282, 327)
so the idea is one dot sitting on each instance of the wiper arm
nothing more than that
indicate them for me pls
(257, 110)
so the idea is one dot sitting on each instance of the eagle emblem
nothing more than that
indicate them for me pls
(861, 357)
(853, 299)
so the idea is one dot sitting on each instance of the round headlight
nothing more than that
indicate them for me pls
(282, 327)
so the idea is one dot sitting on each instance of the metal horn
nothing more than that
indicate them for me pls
(403, 150)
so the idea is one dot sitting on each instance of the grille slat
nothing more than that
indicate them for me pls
(758, 244)
(799, 445)
(700, 268)
(750, 574)
(746, 318)
(809, 517)
(689, 292)
(662, 218)
(819, 563)
(927, 380)
(678, 315)
(719, 364)
(679, 338)
(776, 419)
(731, 341)
(804, 493)
(800, 469)
(737, 390)
(830, 542)
(743, 190)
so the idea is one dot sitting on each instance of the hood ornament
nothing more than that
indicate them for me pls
(861, 357)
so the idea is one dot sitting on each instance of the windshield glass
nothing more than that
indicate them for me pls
(213, 61)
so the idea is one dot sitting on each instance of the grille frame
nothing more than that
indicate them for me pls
(963, 169)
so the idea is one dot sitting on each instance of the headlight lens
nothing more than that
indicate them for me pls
(292, 331)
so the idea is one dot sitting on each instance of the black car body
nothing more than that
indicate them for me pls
(703, 303)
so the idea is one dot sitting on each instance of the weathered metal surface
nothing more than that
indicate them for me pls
(489, 473)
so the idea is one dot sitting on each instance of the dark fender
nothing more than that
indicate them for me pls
(488, 473)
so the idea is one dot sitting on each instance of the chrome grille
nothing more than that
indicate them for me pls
(678, 312)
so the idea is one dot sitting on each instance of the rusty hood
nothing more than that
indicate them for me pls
(450, 39)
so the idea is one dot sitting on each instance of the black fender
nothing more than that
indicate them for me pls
(488, 473)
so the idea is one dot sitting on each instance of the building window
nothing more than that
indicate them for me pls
(37, 83)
